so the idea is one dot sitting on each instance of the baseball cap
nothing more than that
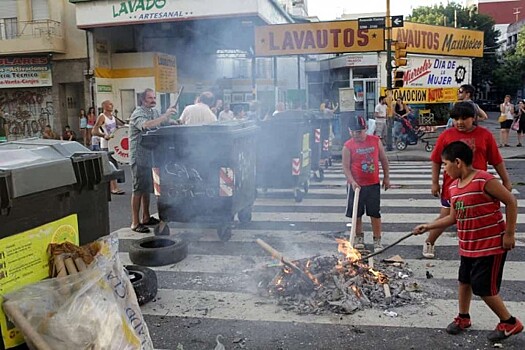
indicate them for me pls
(357, 123)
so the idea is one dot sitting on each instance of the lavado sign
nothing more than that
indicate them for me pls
(130, 7)
(325, 37)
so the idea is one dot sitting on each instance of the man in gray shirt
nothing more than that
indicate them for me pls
(143, 118)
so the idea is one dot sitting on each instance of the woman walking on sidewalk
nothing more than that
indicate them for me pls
(520, 118)
(507, 110)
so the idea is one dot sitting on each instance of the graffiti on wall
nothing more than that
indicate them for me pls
(27, 111)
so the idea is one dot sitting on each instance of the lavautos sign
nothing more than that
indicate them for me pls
(25, 71)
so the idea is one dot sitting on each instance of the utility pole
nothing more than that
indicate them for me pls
(389, 114)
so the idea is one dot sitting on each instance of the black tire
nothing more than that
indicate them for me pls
(161, 229)
(401, 145)
(224, 233)
(245, 215)
(298, 195)
(157, 251)
(144, 281)
(429, 147)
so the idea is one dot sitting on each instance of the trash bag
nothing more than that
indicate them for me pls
(93, 309)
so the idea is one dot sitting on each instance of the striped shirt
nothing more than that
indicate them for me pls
(479, 220)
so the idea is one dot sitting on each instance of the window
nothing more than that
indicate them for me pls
(40, 9)
(8, 20)
(8, 28)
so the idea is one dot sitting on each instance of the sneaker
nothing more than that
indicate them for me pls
(428, 250)
(505, 330)
(359, 242)
(458, 325)
(377, 245)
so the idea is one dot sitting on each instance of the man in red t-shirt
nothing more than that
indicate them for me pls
(485, 149)
(361, 157)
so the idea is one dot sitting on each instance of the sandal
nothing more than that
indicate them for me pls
(140, 229)
(118, 192)
(152, 221)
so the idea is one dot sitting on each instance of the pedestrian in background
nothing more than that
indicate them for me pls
(361, 157)
(83, 127)
(105, 127)
(226, 113)
(199, 113)
(145, 117)
(380, 118)
(507, 117)
(91, 120)
(485, 150)
(68, 134)
(484, 237)
(48, 133)
(520, 119)
(465, 94)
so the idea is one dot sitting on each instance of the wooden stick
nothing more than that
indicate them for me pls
(59, 266)
(277, 255)
(81, 265)
(388, 295)
(25, 327)
(371, 263)
(70, 265)
(354, 216)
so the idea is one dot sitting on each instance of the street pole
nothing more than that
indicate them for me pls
(390, 114)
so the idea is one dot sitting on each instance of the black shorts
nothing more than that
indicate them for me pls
(506, 124)
(142, 179)
(369, 198)
(483, 274)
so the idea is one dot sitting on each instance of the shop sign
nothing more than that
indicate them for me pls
(424, 95)
(25, 71)
(316, 38)
(431, 71)
(165, 73)
(439, 40)
(24, 260)
(104, 88)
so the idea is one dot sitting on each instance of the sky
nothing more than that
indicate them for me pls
(331, 9)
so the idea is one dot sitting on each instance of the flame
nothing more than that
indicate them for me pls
(350, 252)
(357, 291)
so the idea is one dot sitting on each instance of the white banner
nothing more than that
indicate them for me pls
(433, 71)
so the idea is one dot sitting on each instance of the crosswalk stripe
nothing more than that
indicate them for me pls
(250, 307)
(385, 203)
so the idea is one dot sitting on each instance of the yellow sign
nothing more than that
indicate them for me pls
(316, 38)
(438, 40)
(24, 260)
(424, 95)
(165, 73)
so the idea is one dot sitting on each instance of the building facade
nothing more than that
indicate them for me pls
(42, 69)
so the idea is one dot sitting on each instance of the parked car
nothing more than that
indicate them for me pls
(488, 105)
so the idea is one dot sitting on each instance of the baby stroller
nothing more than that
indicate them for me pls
(410, 134)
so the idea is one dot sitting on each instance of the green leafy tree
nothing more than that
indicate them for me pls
(455, 15)
(510, 74)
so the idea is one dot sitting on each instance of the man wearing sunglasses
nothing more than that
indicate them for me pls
(465, 93)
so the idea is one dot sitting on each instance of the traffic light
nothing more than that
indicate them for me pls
(400, 53)
(398, 79)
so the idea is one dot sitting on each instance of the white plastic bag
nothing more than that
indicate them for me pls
(371, 127)
(94, 309)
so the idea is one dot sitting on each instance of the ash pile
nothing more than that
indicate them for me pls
(341, 284)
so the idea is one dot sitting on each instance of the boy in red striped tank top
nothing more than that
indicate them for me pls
(484, 237)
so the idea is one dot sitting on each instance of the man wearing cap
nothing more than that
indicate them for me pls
(362, 154)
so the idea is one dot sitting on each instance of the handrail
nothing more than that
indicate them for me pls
(33, 29)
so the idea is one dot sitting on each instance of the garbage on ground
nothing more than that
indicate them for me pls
(91, 305)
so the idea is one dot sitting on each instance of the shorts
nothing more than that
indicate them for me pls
(380, 127)
(484, 274)
(445, 203)
(142, 179)
(506, 124)
(369, 199)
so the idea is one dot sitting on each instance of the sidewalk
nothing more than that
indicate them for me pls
(418, 153)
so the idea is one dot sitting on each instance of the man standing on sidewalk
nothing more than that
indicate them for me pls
(380, 116)
(140, 159)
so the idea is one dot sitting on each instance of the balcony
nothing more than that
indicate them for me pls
(22, 37)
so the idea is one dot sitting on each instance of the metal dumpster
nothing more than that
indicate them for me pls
(204, 173)
(283, 153)
(48, 189)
